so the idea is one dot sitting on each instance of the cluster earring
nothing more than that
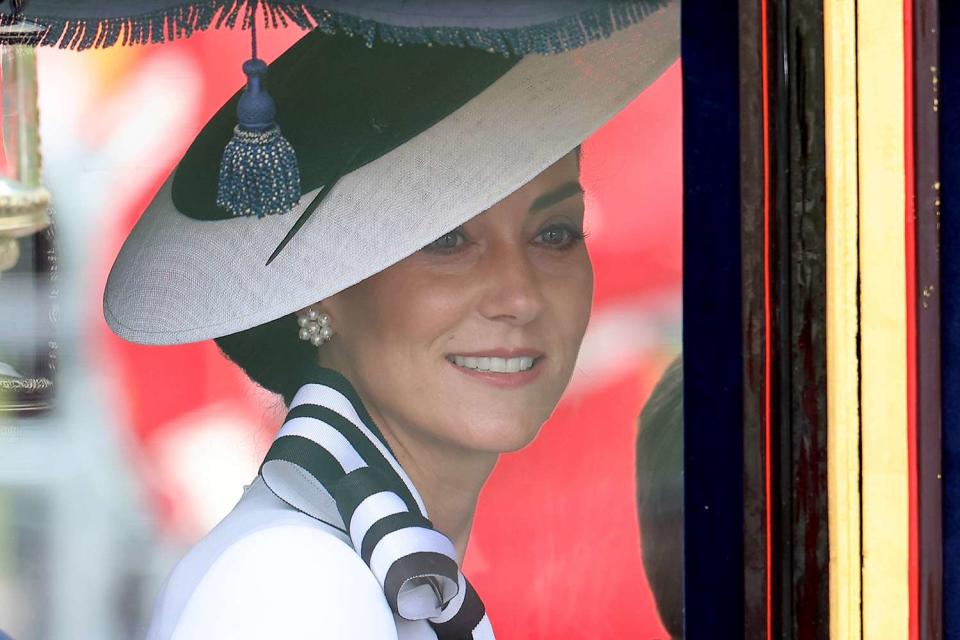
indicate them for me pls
(315, 327)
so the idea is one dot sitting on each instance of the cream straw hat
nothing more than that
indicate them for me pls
(406, 142)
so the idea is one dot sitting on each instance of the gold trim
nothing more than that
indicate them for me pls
(25, 384)
(883, 324)
(23, 212)
(843, 370)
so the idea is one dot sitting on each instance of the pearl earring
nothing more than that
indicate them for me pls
(315, 327)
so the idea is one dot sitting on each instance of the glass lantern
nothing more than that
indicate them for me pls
(23, 198)
(28, 271)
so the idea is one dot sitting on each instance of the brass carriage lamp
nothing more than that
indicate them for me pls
(23, 198)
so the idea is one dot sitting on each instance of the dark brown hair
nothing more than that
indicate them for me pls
(272, 355)
(660, 495)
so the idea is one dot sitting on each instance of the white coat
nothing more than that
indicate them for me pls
(270, 572)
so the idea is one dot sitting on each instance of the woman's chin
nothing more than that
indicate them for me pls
(499, 435)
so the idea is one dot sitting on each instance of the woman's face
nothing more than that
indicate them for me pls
(470, 341)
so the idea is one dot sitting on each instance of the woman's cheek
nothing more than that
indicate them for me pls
(445, 299)
(573, 287)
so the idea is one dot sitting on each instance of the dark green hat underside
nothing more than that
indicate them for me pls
(342, 104)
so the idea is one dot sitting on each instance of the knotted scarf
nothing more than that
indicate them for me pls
(330, 458)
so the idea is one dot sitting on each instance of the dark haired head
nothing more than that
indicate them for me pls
(660, 495)
(272, 355)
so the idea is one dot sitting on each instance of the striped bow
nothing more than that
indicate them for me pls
(329, 458)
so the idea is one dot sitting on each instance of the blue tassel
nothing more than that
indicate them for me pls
(259, 175)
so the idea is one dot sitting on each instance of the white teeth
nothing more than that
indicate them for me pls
(495, 365)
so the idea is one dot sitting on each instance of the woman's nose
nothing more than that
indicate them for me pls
(512, 288)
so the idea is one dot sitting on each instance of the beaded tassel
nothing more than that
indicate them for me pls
(259, 175)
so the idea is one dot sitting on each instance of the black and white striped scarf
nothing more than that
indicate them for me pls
(329, 458)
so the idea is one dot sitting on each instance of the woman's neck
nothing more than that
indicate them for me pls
(448, 479)
(449, 483)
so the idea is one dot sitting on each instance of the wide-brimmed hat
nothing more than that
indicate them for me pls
(406, 142)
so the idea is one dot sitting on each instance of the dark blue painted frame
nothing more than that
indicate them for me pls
(950, 309)
(713, 360)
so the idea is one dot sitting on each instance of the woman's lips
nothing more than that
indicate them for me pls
(499, 368)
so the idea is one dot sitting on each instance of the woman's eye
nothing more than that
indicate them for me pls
(448, 242)
(559, 236)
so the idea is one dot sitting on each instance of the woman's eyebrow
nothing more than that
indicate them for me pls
(551, 198)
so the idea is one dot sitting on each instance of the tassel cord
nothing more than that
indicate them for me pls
(258, 175)
(253, 31)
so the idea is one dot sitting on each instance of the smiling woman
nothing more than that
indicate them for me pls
(439, 338)
(462, 350)
(425, 319)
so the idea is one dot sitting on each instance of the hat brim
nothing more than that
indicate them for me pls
(179, 280)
